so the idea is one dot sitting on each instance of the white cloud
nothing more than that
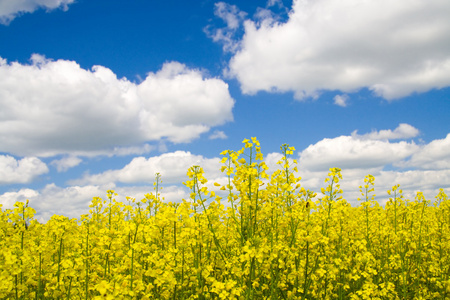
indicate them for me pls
(20, 171)
(353, 173)
(73, 201)
(341, 100)
(278, 3)
(56, 107)
(172, 167)
(356, 157)
(9, 198)
(417, 179)
(218, 134)
(403, 131)
(394, 48)
(373, 153)
(427, 181)
(271, 160)
(434, 156)
(230, 14)
(119, 150)
(10, 9)
(233, 19)
(347, 152)
(66, 163)
(139, 150)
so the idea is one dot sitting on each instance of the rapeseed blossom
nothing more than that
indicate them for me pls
(268, 238)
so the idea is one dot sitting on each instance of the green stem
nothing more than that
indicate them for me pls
(305, 283)
(40, 279)
(132, 257)
(70, 285)
(58, 274)
(87, 263)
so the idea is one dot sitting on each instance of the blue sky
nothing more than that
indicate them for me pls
(103, 94)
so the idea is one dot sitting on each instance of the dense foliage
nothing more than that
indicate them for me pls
(269, 239)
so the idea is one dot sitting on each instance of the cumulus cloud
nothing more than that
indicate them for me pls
(73, 201)
(10, 9)
(434, 156)
(278, 3)
(233, 19)
(366, 151)
(403, 131)
(411, 181)
(416, 180)
(392, 48)
(230, 14)
(218, 134)
(172, 167)
(390, 162)
(24, 170)
(341, 100)
(356, 156)
(66, 163)
(347, 152)
(9, 198)
(355, 165)
(55, 107)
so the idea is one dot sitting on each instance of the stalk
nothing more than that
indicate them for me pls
(39, 280)
(395, 212)
(175, 247)
(87, 263)
(58, 273)
(420, 244)
(340, 283)
(110, 192)
(249, 194)
(196, 170)
(16, 282)
(305, 283)
(70, 285)
(132, 268)
(132, 256)
(21, 242)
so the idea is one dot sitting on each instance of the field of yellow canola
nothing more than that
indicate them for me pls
(269, 239)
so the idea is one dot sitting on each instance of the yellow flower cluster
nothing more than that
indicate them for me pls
(271, 239)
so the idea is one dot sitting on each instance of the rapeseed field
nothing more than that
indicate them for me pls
(268, 238)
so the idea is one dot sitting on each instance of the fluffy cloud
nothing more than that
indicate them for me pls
(9, 198)
(347, 152)
(218, 134)
(341, 100)
(56, 107)
(230, 14)
(392, 48)
(10, 9)
(357, 156)
(172, 167)
(66, 163)
(20, 171)
(403, 131)
(434, 156)
(411, 181)
(373, 153)
(71, 201)
(74, 201)
(233, 18)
